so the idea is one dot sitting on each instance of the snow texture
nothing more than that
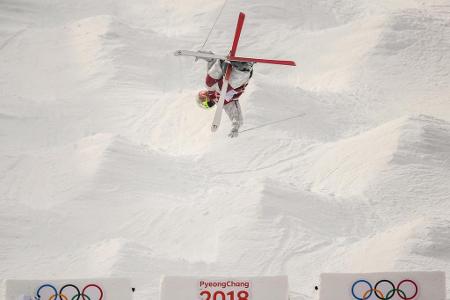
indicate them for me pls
(108, 168)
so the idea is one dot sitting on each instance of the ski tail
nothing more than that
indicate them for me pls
(198, 54)
(262, 60)
(237, 33)
(219, 106)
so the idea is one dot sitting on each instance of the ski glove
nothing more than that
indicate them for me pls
(233, 133)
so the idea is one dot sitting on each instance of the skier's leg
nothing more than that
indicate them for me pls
(241, 117)
(233, 110)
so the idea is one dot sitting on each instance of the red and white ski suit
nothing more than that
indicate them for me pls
(236, 86)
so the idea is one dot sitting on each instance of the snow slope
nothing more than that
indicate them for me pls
(108, 168)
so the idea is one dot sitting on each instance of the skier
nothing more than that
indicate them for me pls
(240, 76)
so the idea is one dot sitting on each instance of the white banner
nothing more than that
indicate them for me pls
(221, 288)
(383, 286)
(92, 289)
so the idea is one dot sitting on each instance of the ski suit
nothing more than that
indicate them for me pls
(237, 83)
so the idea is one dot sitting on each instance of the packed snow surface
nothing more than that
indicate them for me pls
(108, 168)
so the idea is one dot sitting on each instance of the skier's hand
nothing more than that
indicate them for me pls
(233, 133)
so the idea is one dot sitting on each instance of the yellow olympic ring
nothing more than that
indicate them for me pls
(60, 295)
(369, 291)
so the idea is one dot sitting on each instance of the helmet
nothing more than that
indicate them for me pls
(203, 100)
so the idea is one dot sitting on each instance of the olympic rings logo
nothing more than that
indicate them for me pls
(377, 290)
(75, 295)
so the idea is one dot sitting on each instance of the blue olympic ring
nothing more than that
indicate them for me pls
(38, 295)
(353, 289)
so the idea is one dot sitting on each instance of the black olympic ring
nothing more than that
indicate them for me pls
(389, 295)
(379, 294)
(62, 296)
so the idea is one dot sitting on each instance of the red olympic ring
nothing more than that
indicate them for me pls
(94, 285)
(415, 286)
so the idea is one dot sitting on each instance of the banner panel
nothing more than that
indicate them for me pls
(224, 288)
(383, 286)
(92, 289)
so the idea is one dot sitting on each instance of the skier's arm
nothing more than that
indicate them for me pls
(213, 80)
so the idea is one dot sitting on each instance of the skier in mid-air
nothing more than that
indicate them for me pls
(233, 73)
(240, 76)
